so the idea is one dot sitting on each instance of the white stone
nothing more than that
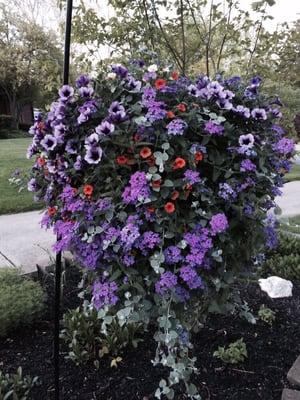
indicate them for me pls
(276, 287)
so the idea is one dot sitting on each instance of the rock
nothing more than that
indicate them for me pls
(289, 394)
(276, 287)
(294, 373)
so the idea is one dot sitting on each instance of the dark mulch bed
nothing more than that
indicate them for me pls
(271, 352)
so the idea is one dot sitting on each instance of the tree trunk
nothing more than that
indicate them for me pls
(14, 112)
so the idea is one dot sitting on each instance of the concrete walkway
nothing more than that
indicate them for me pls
(23, 243)
(289, 202)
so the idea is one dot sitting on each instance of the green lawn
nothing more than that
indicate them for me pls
(294, 175)
(13, 156)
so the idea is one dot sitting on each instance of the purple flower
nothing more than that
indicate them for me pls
(190, 277)
(156, 110)
(129, 234)
(93, 155)
(104, 294)
(259, 113)
(218, 223)
(166, 282)
(244, 111)
(32, 185)
(226, 192)
(105, 128)
(138, 190)
(176, 127)
(49, 142)
(71, 146)
(246, 142)
(86, 110)
(148, 241)
(86, 91)
(192, 177)
(117, 112)
(91, 140)
(213, 128)
(82, 80)
(66, 92)
(247, 165)
(284, 146)
(119, 70)
(172, 255)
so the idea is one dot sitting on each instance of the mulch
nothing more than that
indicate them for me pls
(271, 352)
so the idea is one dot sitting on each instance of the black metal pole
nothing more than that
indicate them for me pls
(58, 260)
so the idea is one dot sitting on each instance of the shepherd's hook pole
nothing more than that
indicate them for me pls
(58, 265)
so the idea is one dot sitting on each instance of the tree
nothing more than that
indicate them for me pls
(30, 62)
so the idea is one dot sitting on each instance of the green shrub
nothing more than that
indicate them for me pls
(21, 300)
(266, 314)
(90, 337)
(284, 261)
(234, 354)
(15, 386)
(5, 121)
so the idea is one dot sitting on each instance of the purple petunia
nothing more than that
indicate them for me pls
(49, 142)
(105, 128)
(259, 113)
(246, 142)
(66, 92)
(93, 155)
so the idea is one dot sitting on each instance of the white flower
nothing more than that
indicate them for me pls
(111, 76)
(152, 68)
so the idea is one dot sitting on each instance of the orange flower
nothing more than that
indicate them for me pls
(156, 184)
(175, 75)
(170, 115)
(175, 195)
(181, 107)
(145, 152)
(51, 211)
(179, 163)
(122, 160)
(169, 207)
(41, 161)
(198, 156)
(160, 83)
(151, 209)
(88, 190)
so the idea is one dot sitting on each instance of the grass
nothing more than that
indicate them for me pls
(291, 224)
(294, 175)
(13, 156)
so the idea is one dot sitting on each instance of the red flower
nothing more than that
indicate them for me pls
(136, 137)
(145, 152)
(151, 209)
(181, 107)
(41, 161)
(198, 156)
(169, 207)
(160, 83)
(179, 163)
(156, 184)
(175, 75)
(122, 160)
(170, 115)
(51, 211)
(88, 190)
(175, 195)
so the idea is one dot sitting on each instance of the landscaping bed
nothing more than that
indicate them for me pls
(271, 352)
